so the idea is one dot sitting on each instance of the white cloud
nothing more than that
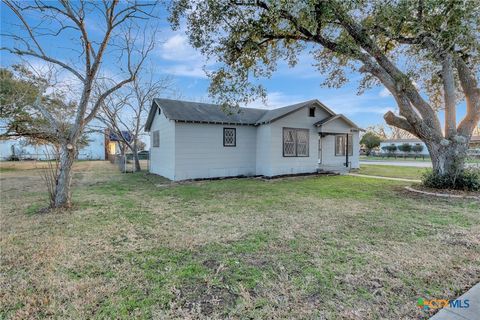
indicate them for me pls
(183, 59)
(352, 104)
(276, 99)
(186, 70)
(176, 48)
(344, 104)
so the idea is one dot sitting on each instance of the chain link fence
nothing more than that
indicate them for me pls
(126, 163)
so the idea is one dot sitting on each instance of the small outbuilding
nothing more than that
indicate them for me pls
(191, 140)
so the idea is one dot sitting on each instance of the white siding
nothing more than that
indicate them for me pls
(95, 150)
(264, 150)
(330, 160)
(355, 159)
(162, 159)
(199, 151)
(195, 150)
(336, 126)
(277, 164)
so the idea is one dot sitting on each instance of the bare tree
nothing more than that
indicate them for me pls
(114, 38)
(389, 132)
(126, 111)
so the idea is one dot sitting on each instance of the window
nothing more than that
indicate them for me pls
(229, 137)
(159, 111)
(295, 142)
(340, 144)
(156, 139)
(311, 112)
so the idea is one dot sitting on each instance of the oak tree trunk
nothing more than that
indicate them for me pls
(448, 160)
(135, 157)
(63, 193)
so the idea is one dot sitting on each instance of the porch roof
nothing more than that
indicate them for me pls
(325, 125)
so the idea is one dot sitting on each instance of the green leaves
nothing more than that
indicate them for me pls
(249, 38)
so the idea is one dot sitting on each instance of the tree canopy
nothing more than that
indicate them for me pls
(414, 48)
(20, 88)
(370, 140)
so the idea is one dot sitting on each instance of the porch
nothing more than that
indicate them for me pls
(338, 145)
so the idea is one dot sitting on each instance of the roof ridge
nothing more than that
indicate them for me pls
(208, 104)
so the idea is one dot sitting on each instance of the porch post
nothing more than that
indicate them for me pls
(346, 151)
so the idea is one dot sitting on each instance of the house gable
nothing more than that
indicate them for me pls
(279, 113)
(336, 124)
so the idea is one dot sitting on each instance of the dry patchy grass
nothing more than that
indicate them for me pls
(313, 247)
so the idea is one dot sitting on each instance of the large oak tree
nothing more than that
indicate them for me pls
(425, 52)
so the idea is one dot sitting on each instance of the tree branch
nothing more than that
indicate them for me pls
(399, 122)
(402, 81)
(472, 96)
(448, 80)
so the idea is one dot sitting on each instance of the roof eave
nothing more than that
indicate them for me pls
(151, 116)
(216, 122)
(303, 105)
(338, 116)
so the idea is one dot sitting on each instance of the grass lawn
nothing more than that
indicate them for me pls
(328, 247)
(391, 171)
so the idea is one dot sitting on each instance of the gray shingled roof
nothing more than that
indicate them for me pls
(210, 113)
(205, 112)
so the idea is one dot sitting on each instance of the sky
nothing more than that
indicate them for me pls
(173, 57)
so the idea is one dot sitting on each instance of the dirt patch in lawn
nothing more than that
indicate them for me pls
(206, 300)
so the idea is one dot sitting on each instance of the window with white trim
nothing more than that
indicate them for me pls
(340, 145)
(229, 137)
(295, 142)
(156, 139)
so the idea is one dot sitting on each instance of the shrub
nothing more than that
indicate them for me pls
(13, 157)
(390, 149)
(405, 148)
(417, 148)
(468, 180)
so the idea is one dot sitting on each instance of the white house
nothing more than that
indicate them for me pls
(399, 142)
(191, 140)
